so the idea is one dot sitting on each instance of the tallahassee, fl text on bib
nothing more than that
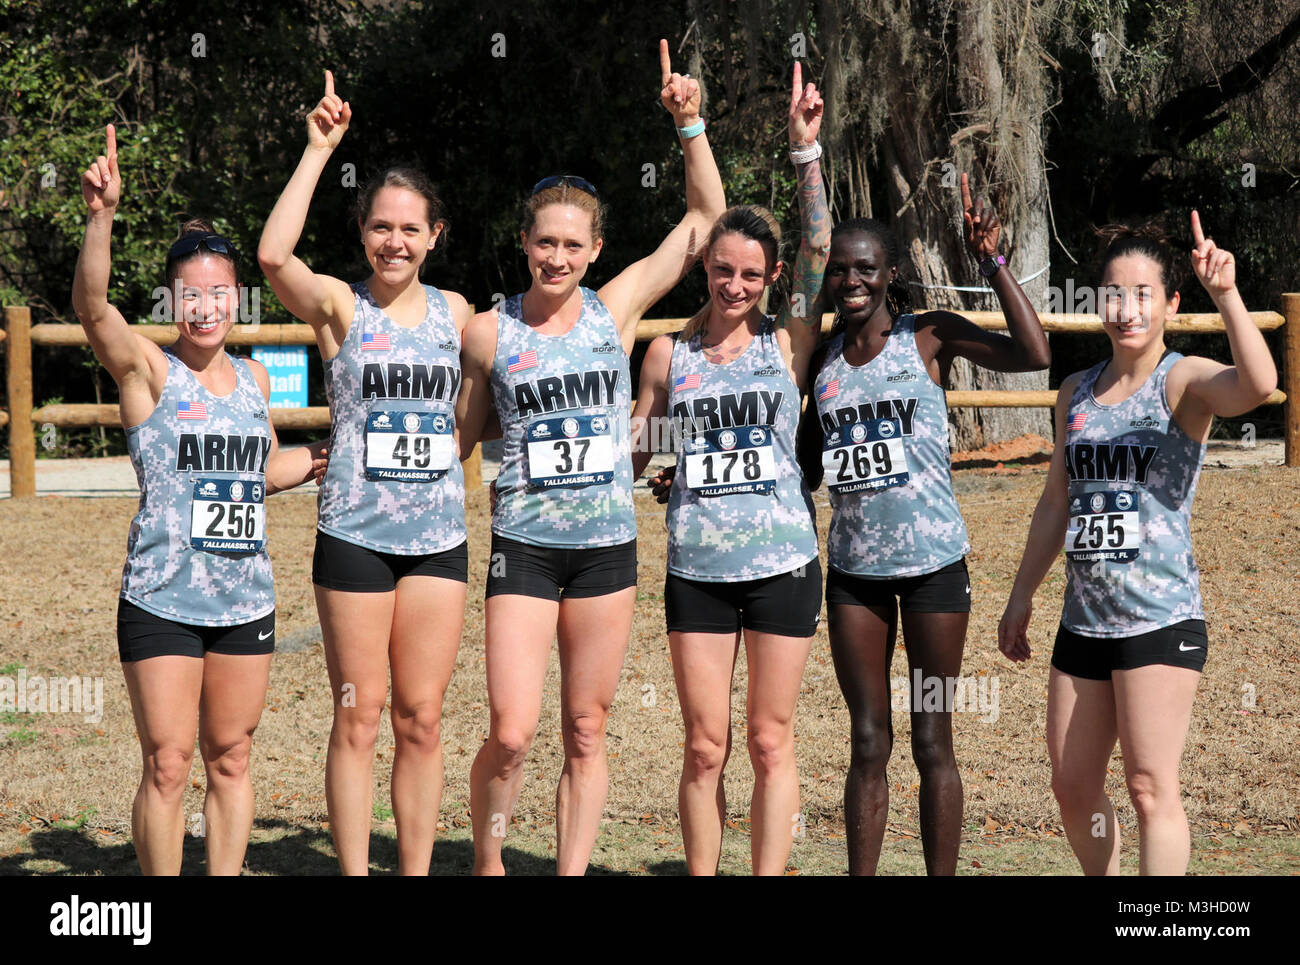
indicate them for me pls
(565, 406)
(1132, 474)
(738, 508)
(886, 461)
(395, 483)
(197, 549)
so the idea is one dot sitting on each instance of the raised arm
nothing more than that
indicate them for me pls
(1043, 546)
(323, 302)
(1025, 349)
(799, 316)
(1209, 386)
(631, 293)
(136, 364)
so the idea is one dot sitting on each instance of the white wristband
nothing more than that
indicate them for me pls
(805, 153)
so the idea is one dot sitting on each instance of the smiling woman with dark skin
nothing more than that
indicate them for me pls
(877, 427)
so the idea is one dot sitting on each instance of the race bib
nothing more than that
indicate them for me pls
(227, 516)
(570, 451)
(720, 462)
(1104, 526)
(865, 455)
(409, 446)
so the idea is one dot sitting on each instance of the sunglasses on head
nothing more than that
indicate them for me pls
(192, 243)
(571, 180)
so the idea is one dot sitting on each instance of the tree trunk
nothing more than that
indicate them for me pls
(983, 115)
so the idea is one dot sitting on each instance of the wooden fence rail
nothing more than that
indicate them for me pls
(19, 335)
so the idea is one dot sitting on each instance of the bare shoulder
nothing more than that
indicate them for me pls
(258, 370)
(460, 309)
(1191, 369)
(936, 318)
(479, 339)
(1066, 392)
(658, 356)
(1069, 384)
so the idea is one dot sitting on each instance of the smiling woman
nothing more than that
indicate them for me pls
(391, 556)
(554, 363)
(196, 618)
(742, 547)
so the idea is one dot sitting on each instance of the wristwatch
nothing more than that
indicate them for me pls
(990, 265)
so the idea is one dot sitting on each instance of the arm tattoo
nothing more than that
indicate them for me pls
(814, 248)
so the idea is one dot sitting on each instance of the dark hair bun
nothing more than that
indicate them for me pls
(1151, 240)
(196, 226)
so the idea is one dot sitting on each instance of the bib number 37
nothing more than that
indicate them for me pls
(570, 451)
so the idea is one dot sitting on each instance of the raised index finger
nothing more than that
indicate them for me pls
(665, 62)
(1198, 235)
(796, 83)
(110, 141)
(965, 192)
(329, 84)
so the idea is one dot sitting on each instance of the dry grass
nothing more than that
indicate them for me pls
(66, 785)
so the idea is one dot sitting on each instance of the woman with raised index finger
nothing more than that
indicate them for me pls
(554, 363)
(742, 544)
(877, 430)
(196, 618)
(390, 565)
(1130, 439)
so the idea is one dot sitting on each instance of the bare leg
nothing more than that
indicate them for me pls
(862, 646)
(776, 666)
(1081, 734)
(427, 620)
(234, 692)
(934, 647)
(356, 629)
(518, 647)
(1154, 708)
(703, 664)
(593, 636)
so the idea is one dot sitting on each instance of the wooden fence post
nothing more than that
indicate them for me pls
(1291, 376)
(22, 434)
